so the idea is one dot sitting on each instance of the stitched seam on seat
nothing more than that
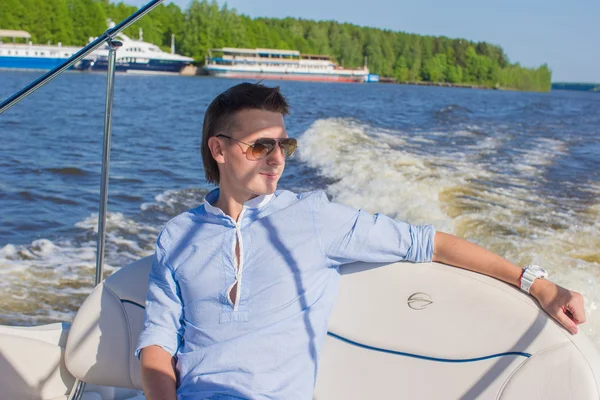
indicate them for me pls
(128, 332)
(533, 356)
(591, 369)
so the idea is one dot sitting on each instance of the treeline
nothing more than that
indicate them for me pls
(205, 25)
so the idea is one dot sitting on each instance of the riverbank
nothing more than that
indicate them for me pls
(447, 85)
(581, 87)
(439, 84)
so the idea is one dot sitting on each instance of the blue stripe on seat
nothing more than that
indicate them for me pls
(132, 302)
(447, 360)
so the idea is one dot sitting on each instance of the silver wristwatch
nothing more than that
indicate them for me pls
(530, 274)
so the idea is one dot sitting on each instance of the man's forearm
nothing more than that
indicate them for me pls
(158, 374)
(451, 250)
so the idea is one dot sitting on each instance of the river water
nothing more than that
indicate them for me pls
(518, 173)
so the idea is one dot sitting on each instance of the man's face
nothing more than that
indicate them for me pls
(241, 174)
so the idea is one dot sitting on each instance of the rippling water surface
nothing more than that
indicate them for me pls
(518, 173)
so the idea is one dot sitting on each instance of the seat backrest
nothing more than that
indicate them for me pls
(104, 334)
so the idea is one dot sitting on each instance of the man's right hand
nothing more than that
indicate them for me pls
(159, 379)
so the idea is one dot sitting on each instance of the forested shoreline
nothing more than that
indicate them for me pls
(204, 25)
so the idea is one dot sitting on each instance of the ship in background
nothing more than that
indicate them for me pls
(136, 56)
(29, 56)
(239, 63)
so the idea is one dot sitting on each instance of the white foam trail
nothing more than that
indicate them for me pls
(46, 281)
(541, 152)
(493, 205)
(362, 164)
(173, 202)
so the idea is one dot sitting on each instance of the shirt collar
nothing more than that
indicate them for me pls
(213, 195)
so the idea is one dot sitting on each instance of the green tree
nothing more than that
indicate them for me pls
(204, 25)
(88, 18)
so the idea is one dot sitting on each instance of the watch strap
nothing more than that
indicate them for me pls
(527, 279)
(529, 275)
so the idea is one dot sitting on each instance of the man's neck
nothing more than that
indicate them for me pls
(232, 204)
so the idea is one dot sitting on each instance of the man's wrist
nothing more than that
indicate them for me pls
(538, 286)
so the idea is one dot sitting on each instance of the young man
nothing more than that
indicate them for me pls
(242, 286)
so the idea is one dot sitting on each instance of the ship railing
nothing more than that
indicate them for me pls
(107, 38)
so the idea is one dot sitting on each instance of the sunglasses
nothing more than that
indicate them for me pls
(262, 147)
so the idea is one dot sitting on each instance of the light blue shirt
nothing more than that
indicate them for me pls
(267, 344)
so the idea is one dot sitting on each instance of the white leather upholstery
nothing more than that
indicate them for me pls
(100, 348)
(470, 317)
(55, 333)
(478, 315)
(558, 373)
(31, 362)
(32, 366)
(85, 396)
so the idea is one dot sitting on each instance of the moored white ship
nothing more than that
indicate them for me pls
(15, 55)
(278, 64)
(136, 56)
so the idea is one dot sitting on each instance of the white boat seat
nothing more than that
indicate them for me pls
(32, 362)
(32, 366)
(97, 396)
(430, 331)
(85, 396)
(378, 344)
(104, 334)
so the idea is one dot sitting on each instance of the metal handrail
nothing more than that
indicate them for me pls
(107, 36)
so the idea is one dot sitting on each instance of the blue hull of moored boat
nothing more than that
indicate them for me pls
(40, 63)
(154, 66)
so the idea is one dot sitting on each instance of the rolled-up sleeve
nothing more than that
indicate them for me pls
(162, 320)
(348, 235)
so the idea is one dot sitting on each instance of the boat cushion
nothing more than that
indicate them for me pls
(393, 329)
(104, 334)
(32, 368)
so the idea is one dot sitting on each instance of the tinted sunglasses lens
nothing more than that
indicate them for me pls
(262, 148)
(288, 146)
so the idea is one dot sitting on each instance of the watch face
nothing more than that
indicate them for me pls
(537, 271)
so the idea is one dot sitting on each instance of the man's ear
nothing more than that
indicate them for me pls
(216, 149)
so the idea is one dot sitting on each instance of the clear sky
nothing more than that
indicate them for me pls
(565, 35)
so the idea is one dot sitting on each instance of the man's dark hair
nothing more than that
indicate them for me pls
(220, 115)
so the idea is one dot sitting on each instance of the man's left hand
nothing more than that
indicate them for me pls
(562, 304)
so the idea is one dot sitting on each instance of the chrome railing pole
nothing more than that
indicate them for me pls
(47, 77)
(110, 91)
(77, 391)
(79, 386)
